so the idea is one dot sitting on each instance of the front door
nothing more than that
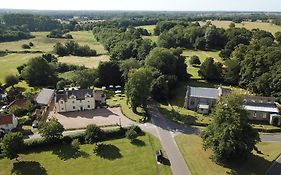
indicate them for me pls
(81, 108)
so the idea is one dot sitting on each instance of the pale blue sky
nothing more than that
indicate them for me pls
(171, 5)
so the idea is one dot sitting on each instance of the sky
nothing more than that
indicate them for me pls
(159, 5)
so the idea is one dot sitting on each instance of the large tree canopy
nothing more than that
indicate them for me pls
(230, 136)
(38, 72)
(138, 87)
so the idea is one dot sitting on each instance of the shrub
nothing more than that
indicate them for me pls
(25, 46)
(131, 134)
(31, 44)
(75, 144)
(194, 60)
(51, 130)
(94, 134)
(68, 36)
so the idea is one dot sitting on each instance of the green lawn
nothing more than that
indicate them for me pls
(248, 25)
(90, 62)
(199, 161)
(42, 43)
(10, 62)
(116, 157)
(113, 100)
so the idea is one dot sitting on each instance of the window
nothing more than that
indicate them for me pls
(73, 107)
(192, 102)
(62, 109)
(88, 101)
(61, 102)
(73, 101)
(89, 106)
(255, 115)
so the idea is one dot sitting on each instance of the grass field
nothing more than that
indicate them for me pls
(248, 25)
(42, 43)
(117, 157)
(9, 63)
(90, 62)
(199, 161)
(193, 71)
(149, 28)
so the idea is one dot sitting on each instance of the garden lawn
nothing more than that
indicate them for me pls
(10, 62)
(117, 157)
(90, 62)
(42, 43)
(248, 25)
(115, 100)
(199, 161)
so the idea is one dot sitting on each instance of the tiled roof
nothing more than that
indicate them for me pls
(6, 119)
(78, 93)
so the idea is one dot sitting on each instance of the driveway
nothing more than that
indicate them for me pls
(100, 117)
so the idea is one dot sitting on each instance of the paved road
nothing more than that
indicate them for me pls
(165, 133)
(270, 137)
(275, 168)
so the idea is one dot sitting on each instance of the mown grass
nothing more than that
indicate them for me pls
(90, 62)
(10, 62)
(248, 25)
(120, 100)
(199, 161)
(149, 28)
(118, 156)
(42, 43)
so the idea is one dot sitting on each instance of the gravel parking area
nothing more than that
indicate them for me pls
(100, 117)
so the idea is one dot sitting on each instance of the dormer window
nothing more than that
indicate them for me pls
(87, 95)
(72, 96)
(61, 101)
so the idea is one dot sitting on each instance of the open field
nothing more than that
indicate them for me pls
(149, 28)
(248, 25)
(117, 157)
(193, 71)
(90, 62)
(42, 43)
(10, 62)
(199, 161)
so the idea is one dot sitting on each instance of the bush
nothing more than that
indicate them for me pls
(94, 134)
(25, 46)
(75, 144)
(31, 44)
(68, 36)
(131, 134)
(194, 60)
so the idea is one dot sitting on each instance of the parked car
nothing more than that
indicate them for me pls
(159, 156)
(35, 124)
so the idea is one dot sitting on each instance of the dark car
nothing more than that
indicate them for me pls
(159, 156)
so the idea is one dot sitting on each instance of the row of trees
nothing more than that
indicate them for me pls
(73, 48)
(122, 43)
(13, 33)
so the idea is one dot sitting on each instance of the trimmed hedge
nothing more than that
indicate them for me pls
(109, 135)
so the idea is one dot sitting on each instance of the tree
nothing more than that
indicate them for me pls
(127, 65)
(11, 80)
(278, 37)
(210, 71)
(12, 143)
(109, 73)
(230, 136)
(131, 134)
(85, 78)
(194, 60)
(51, 130)
(61, 50)
(25, 46)
(138, 87)
(94, 134)
(231, 73)
(38, 72)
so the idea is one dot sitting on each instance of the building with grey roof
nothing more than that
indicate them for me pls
(202, 99)
(45, 96)
(75, 99)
